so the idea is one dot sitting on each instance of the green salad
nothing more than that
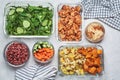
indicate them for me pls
(29, 20)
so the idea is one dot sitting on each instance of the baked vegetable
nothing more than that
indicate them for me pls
(80, 60)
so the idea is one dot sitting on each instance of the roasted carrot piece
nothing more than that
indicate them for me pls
(99, 69)
(99, 51)
(92, 70)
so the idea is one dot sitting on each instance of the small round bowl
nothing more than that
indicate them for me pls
(94, 32)
(5, 54)
(39, 61)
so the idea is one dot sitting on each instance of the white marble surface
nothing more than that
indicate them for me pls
(111, 45)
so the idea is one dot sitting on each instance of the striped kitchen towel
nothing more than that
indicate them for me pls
(26, 73)
(37, 72)
(45, 73)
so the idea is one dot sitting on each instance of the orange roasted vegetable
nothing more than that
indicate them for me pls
(92, 70)
(99, 69)
(93, 59)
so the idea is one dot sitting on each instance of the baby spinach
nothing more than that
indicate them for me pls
(29, 20)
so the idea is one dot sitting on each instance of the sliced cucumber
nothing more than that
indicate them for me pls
(39, 17)
(45, 43)
(48, 32)
(26, 24)
(46, 27)
(44, 46)
(20, 30)
(40, 42)
(19, 9)
(48, 45)
(29, 15)
(11, 12)
(39, 47)
(44, 23)
(50, 23)
(34, 51)
(51, 47)
(36, 46)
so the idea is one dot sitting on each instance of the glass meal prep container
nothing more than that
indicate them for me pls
(69, 22)
(73, 63)
(26, 24)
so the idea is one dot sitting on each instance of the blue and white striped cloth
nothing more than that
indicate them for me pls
(26, 73)
(36, 72)
(46, 73)
(107, 11)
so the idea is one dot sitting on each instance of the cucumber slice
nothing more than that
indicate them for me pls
(51, 47)
(44, 23)
(11, 12)
(39, 47)
(48, 45)
(26, 24)
(34, 51)
(40, 42)
(20, 30)
(19, 9)
(44, 45)
(29, 15)
(48, 32)
(46, 27)
(50, 23)
(36, 47)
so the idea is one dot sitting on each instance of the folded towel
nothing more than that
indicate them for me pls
(115, 5)
(112, 22)
(97, 9)
(36, 72)
(45, 73)
(107, 11)
(26, 73)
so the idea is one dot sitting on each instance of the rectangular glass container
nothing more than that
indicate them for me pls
(81, 14)
(87, 75)
(24, 4)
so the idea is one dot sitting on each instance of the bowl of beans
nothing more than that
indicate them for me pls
(16, 53)
(43, 52)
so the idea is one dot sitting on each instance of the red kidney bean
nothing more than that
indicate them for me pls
(17, 53)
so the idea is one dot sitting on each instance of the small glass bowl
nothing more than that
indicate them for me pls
(5, 55)
(47, 61)
(94, 24)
